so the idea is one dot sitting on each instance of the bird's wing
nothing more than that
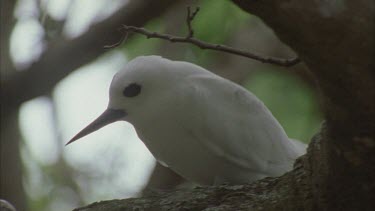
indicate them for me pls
(236, 126)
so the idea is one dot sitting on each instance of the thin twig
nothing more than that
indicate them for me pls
(218, 47)
(189, 18)
(122, 40)
(204, 45)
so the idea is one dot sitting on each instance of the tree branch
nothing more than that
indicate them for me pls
(189, 38)
(339, 51)
(288, 192)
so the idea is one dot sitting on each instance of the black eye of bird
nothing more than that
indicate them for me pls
(132, 90)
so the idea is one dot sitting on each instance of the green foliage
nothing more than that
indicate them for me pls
(216, 23)
(217, 20)
(290, 100)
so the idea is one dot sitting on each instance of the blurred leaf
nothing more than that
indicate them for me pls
(290, 100)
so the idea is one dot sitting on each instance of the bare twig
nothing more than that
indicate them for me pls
(189, 18)
(122, 40)
(204, 45)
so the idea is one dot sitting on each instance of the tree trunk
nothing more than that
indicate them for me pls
(10, 159)
(11, 179)
(335, 39)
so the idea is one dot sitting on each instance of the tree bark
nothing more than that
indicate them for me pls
(335, 39)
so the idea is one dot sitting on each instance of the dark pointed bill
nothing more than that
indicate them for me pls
(107, 117)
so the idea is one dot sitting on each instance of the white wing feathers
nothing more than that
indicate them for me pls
(232, 123)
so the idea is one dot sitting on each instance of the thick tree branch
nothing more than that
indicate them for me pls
(63, 57)
(189, 38)
(336, 40)
(288, 192)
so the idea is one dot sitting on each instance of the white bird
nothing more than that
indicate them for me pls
(206, 128)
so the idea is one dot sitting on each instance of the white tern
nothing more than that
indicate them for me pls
(206, 128)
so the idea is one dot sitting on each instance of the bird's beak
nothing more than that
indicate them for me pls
(107, 117)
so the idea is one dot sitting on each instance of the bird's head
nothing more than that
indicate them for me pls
(144, 84)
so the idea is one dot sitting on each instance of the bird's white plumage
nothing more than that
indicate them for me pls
(206, 128)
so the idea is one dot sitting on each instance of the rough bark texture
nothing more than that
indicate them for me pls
(288, 192)
(335, 39)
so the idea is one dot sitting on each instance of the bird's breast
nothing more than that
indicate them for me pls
(180, 150)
